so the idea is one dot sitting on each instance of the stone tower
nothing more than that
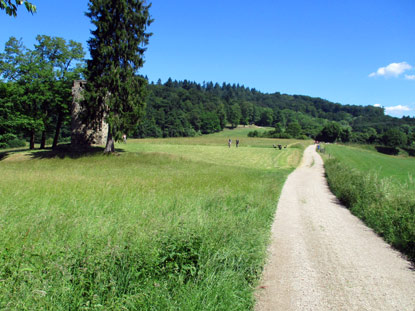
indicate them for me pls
(82, 135)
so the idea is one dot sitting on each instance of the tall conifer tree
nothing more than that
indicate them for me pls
(114, 90)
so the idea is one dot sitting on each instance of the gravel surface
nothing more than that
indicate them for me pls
(321, 257)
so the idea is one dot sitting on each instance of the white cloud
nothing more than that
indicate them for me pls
(391, 70)
(410, 77)
(399, 111)
(377, 105)
(397, 108)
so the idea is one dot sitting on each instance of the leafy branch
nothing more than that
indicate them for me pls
(11, 8)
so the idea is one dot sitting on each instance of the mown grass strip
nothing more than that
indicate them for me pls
(400, 170)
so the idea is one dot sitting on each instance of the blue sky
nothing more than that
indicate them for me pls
(351, 52)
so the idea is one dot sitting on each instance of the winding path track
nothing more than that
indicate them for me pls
(322, 257)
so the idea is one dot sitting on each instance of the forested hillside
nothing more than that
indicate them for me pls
(183, 108)
(35, 101)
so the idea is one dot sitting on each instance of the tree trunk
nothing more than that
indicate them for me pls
(109, 148)
(43, 140)
(57, 130)
(32, 140)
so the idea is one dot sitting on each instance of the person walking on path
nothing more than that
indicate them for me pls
(237, 143)
(229, 142)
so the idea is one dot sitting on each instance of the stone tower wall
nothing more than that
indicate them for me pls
(82, 135)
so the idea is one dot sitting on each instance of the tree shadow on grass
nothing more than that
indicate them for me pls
(5, 154)
(67, 151)
(61, 152)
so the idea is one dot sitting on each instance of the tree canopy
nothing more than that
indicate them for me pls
(329, 133)
(37, 91)
(394, 137)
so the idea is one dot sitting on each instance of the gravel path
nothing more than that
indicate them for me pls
(322, 257)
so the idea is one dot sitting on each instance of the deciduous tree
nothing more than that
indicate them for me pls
(293, 129)
(11, 8)
(266, 117)
(43, 79)
(21, 68)
(65, 62)
(329, 133)
(394, 138)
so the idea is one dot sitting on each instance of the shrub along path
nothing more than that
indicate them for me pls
(321, 257)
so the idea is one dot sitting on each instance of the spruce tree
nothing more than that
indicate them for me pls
(114, 89)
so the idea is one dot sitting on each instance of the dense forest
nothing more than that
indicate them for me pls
(183, 108)
(35, 100)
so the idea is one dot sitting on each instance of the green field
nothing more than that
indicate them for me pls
(398, 169)
(377, 188)
(166, 224)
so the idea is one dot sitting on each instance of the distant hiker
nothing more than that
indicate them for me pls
(237, 143)
(124, 138)
(279, 147)
(318, 147)
(229, 142)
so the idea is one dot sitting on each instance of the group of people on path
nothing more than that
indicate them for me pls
(230, 143)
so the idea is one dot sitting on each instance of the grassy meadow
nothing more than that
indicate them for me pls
(399, 170)
(166, 224)
(378, 188)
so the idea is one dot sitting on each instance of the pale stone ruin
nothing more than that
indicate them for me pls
(82, 135)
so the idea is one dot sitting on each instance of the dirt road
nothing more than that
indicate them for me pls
(323, 258)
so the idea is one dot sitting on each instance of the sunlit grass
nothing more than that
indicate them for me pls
(242, 157)
(377, 188)
(214, 149)
(399, 169)
(163, 226)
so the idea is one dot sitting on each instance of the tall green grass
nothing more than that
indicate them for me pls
(146, 230)
(384, 201)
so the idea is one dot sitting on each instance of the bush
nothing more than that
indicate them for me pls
(253, 133)
(9, 140)
(15, 143)
(273, 134)
(387, 150)
(383, 206)
(411, 151)
(283, 135)
(189, 132)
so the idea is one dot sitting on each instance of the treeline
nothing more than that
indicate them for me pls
(184, 108)
(35, 102)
